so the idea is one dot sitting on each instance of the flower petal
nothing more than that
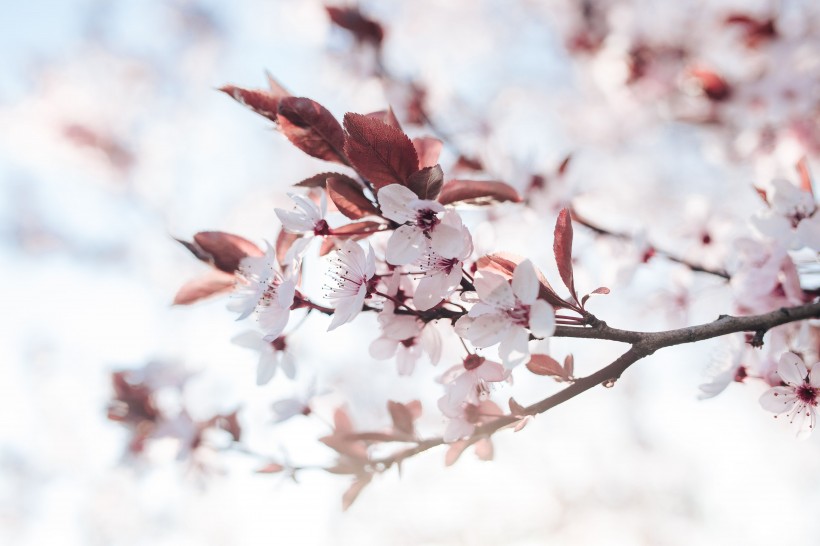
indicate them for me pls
(383, 348)
(266, 368)
(778, 399)
(405, 245)
(791, 369)
(348, 308)
(395, 201)
(514, 348)
(525, 282)
(542, 319)
(494, 290)
(488, 329)
(447, 241)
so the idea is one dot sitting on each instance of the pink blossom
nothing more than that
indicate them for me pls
(468, 382)
(421, 224)
(800, 395)
(272, 355)
(507, 313)
(264, 289)
(442, 273)
(792, 218)
(349, 281)
(306, 217)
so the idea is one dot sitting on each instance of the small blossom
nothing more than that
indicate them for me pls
(421, 225)
(306, 217)
(792, 218)
(469, 381)
(800, 395)
(507, 314)
(442, 273)
(264, 289)
(350, 281)
(272, 355)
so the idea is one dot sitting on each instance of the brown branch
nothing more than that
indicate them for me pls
(578, 219)
(643, 345)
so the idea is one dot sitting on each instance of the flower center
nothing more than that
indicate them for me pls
(807, 394)
(426, 219)
(279, 344)
(520, 314)
(473, 361)
(321, 228)
(409, 342)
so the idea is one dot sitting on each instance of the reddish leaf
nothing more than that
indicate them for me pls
(428, 150)
(362, 28)
(347, 466)
(414, 406)
(354, 490)
(468, 164)
(224, 250)
(381, 153)
(275, 87)
(355, 229)
(562, 248)
(348, 196)
(311, 128)
(210, 284)
(477, 192)
(599, 290)
(270, 468)
(317, 180)
(484, 449)
(714, 87)
(426, 183)
(388, 117)
(545, 365)
(263, 102)
(454, 452)
(401, 416)
(569, 365)
(376, 437)
(805, 176)
(504, 264)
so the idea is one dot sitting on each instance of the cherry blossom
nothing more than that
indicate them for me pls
(442, 273)
(507, 313)
(306, 217)
(263, 288)
(791, 218)
(799, 396)
(272, 355)
(468, 382)
(421, 224)
(349, 281)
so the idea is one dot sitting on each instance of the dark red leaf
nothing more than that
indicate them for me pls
(545, 365)
(348, 196)
(312, 128)
(210, 284)
(381, 153)
(317, 180)
(354, 490)
(468, 164)
(504, 264)
(426, 183)
(388, 117)
(362, 28)
(225, 251)
(600, 290)
(402, 417)
(477, 192)
(562, 247)
(261, 101)
(428, 150)
(516, 409)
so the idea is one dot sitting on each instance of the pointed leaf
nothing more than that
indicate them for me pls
(388, 117)
(263, 102)
(484, 449)
(516, 408)
(382, 154)
(225, 250)
(569, 366)
(311, 128)
(318, 180)
(805, 176)
(428, 150)
(477, 192)
(210, 284)
(504, 264)
(348, 196)
(354, 490)
(562, 247)
(401, 416)
(426, 183)
(545, 365)
(352, 20)
(564, 165)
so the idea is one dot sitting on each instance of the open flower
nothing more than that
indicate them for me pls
(507, 314)
(421, 224)
(264, 289)
(800, 395)
(468, 382)
(349, 281)
(272, 355)
(406, 338)
(792, 218)
(442, 273)
(306, 217)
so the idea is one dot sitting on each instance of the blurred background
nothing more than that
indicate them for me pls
(115, 140)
